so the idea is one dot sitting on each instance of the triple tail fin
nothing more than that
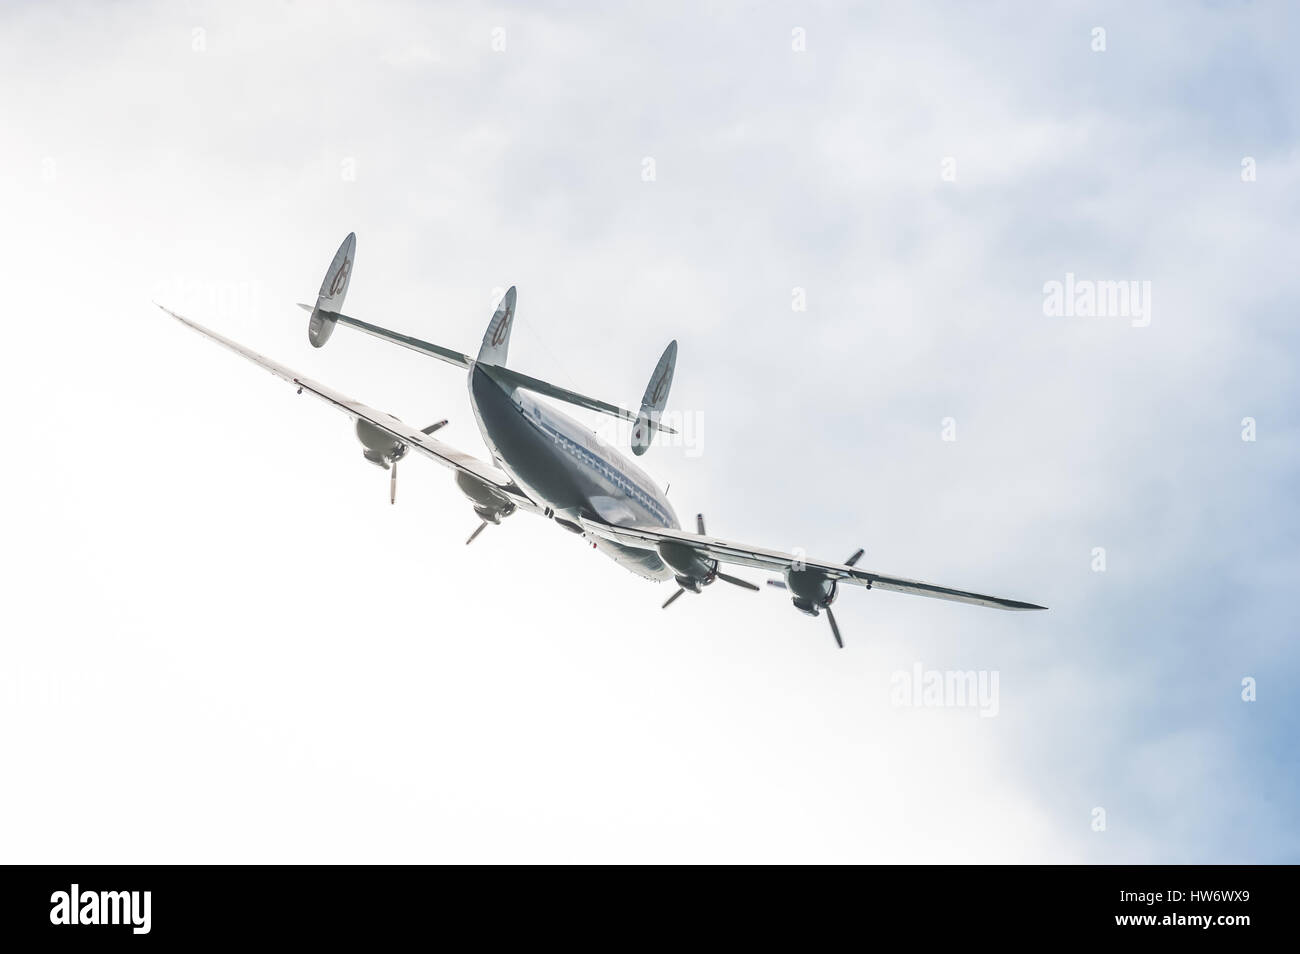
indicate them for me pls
(492, 353)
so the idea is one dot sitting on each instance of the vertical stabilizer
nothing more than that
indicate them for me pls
(654, 400)
(333, 290)
(496, 340)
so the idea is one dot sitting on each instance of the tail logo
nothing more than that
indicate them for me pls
(659, 390)
(499, 335)
(341, 279)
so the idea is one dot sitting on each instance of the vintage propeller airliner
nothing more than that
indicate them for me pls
(544, 462)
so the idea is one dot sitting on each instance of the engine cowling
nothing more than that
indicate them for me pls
(810, 591)
(384, 450)
(490, 505)
(380, 447)
(692, 570)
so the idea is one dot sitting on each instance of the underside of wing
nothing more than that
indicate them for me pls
(776, 561)
(878, 581)
(430, 447)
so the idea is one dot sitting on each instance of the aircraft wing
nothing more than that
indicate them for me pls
(444, 454)
(774, 560)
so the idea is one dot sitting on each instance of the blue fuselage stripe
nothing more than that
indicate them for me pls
(602, 467)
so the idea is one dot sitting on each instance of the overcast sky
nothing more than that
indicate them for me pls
(221, 643)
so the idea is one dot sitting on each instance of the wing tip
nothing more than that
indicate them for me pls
(165, 310)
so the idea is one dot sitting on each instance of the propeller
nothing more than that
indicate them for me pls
(824, 602)
(733, 580)
(830, 616)
(715, 575)
(477, 531)
(737, 581)
(835, 630)
(398, 453)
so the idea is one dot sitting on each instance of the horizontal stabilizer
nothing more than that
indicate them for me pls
(495, 353)
(396, 337)
(513, 378)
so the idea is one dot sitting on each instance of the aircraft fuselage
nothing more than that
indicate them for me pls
(568, 468)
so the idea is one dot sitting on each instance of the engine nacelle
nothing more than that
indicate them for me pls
(688, 565)
(810, 591)
(381, 448)
(493, 516)
(490, 505)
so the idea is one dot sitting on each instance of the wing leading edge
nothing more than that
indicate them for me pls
(774, 560)
(444, 454)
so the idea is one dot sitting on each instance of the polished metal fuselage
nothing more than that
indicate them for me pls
(566, 467)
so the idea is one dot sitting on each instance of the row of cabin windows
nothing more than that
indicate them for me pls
(617, 476)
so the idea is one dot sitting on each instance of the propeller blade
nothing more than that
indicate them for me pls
(433, 427)
(699, 524)
(737, 581)
(669, 602)
(851, 561)
(835, 630)
(779, 584)
(477, 531)
(392, 484)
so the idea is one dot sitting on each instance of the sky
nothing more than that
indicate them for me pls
(222, 644)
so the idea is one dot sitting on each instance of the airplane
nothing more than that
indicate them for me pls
(544, 462)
